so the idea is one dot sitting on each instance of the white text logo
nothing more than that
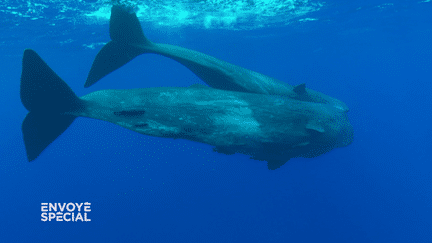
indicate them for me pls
(69, 212)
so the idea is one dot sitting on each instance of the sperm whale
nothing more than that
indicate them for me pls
(128, 41)
(265, 127)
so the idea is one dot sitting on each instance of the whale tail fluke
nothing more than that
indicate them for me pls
(111, 57)
(125, 27)
(275, 164)
(47, 98)
(127, 42)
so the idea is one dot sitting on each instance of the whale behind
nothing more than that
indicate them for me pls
(128, 41)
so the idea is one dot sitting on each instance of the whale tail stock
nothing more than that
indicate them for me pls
(127, 42)
(47, 98)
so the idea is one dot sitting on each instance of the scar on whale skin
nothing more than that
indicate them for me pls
(141, 125)
(129, 113)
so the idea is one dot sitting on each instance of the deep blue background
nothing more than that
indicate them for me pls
(378, 189)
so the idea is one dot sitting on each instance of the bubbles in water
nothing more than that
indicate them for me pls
(214, 14)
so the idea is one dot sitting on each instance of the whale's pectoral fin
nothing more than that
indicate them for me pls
(274, 164)
(128, 42)
(300, 89)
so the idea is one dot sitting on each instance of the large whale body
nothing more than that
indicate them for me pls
(265, 127)
(128, 41)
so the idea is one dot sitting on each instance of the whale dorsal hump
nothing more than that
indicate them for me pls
(199, 86)
(300, 89)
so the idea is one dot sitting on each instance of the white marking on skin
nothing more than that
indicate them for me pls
(165, 94)
(141, 130)
(167, 97)
(222, 102)
(301, 144)
(189, 92)
(279, 102)
(136, 100)
(238, 119)
(124, 124)
(338, 107)
(160, 127)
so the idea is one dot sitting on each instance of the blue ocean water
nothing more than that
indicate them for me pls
(375, 56)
